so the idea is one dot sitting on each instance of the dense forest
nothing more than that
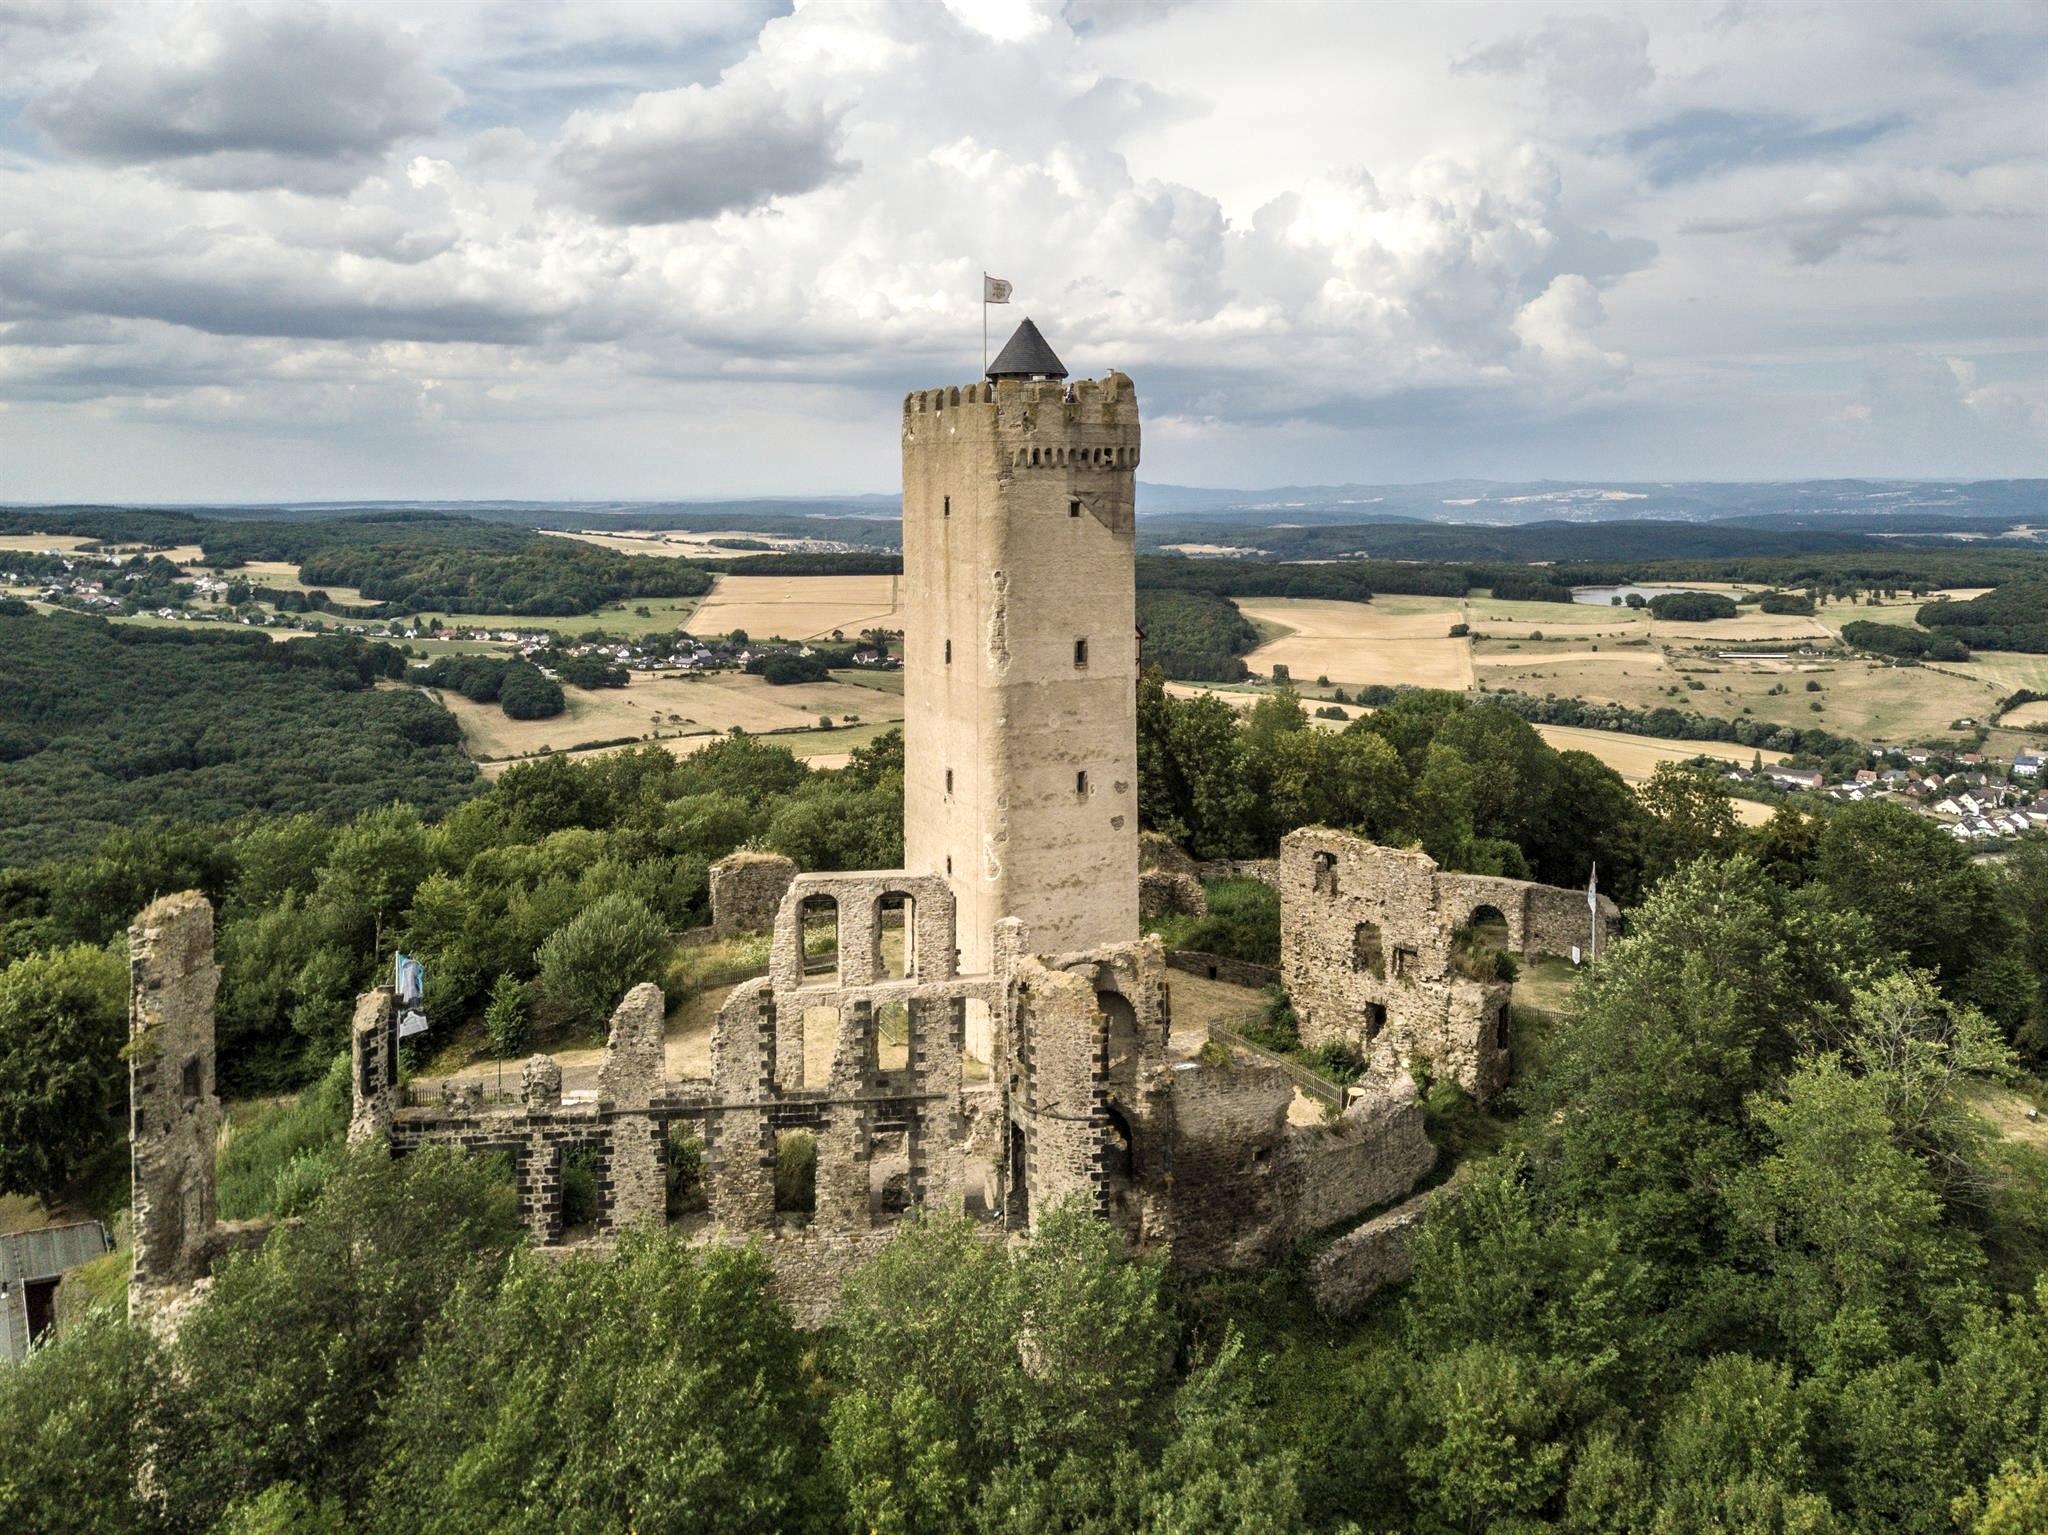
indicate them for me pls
(1898, 640)
(104, 725)
(1194, 635)
(2013, 616)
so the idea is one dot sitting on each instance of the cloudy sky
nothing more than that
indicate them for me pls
(612, 249)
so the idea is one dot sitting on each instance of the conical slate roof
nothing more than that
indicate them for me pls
(1025, 355)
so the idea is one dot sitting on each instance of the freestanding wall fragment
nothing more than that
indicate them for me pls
(746, 892)
(174, 1113)
(373, 1062)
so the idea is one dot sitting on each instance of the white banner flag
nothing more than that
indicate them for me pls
(1593, 891)
(994, 290)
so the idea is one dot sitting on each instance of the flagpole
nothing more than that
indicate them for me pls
(984, 323)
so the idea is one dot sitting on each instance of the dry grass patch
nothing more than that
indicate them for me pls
(42, 543)
(798, 607)
(1355, 643)
(2026, 715)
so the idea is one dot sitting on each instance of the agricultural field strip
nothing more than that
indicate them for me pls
(798, 607)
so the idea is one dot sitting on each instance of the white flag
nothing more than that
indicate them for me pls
(1593, 891)
(994, 290)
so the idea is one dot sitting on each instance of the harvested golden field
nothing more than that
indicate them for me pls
(686, 712)
(1357, 642)
(41, 543)
(798, 607)
(675, 544)
(2004, 671)
(1749, 812)
(1636, 757)
(2025, 716)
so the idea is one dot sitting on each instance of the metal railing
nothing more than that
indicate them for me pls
(1315, 1085)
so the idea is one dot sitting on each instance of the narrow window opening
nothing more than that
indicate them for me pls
(1080, 652)
(896, 937)
(1325, 865)
(1073, 508)
(949, 652)
(818, 922)
(1081, 782)
(191, 1083)
(1366, 950)
(949, 866)
(1375, 1020)
(1401, 959)
(949, 780)
(1500, 1028)
(947, 507)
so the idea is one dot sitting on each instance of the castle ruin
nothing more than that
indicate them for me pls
(984, 1031)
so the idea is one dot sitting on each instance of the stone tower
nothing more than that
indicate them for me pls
(1021, 653)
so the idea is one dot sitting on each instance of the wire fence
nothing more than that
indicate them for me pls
(1315, 1085)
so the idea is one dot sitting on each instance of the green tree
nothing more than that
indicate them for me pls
(1485, 1456)
(1691, 817)
(281, 1373)
(602, 953)
(664, 1390)
(80, 1412)
(63, 1020)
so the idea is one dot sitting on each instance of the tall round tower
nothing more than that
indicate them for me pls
(1021, 652)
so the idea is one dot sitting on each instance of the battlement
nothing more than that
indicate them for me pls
(1038, 418)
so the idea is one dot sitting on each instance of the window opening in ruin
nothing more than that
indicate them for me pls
(1120, 1029)
(1367, 950)
(796, 1172)
(683, 1164)
(1500, 1028)
(1017, 1203)
(1488, 926)
(582, 1192)
(1073, 508)
(820, 928)
(1402, 957)
(1080, 652)
(949, 866)
(1081, 782)
(1120, 1163)
(1375, 1020)
(948, 507)
(1326, 873)
(949, 780)
(895, 936)
(949, 652)
(892, 1036)
(189, 1086)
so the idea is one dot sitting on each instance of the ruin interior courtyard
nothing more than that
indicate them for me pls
(985, 1031)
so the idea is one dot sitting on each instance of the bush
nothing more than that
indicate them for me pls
(278, 1162)
(508, 1018)
(600, 954)
(525, 694)
(1278, 1027)
(781, 671)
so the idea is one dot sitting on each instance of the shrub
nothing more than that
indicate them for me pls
(1813, 687)
(1278, 1027)
(1459, 631)
(1243, 923)
(508, 1018)
(609, 947)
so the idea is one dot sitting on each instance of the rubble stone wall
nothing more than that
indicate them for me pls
(746, 892)
(1366, 955)
(174, 1113)
(1355, 1267)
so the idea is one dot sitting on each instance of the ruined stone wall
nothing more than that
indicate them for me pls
(1377, 1151)
(1541, 919)
(373, 1065)
(174, 1114)
(1221, 967)
(1359, 1264)
(1019, 520)
(1161, 894)
(1367, 958)
(1084, 1039)
(1235, 1187)
(746, 892)
(1247, 1185)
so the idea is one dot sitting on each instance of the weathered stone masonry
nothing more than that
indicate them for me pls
(1366, 953)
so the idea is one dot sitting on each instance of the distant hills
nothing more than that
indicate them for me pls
(1879, 504)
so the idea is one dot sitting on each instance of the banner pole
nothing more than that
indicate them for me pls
(984, 324)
